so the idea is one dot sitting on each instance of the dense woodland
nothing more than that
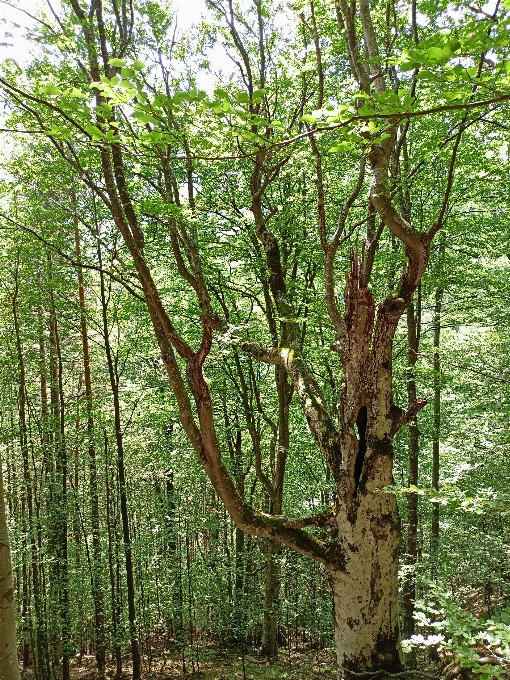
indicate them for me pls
(255, 345)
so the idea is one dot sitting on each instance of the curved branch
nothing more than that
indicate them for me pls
(319, 420)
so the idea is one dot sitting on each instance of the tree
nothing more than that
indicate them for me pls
(9, 668)
(389, 81)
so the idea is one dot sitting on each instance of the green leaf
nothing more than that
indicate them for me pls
(144, 117)
(307, 118)
(127, 72)
(77, 94)
(439, 54)
(381, 138)
(116, 62)
(258, 95)
(126, 85)
(138, 65)
(220, 93)
(51, 90)
(242, 98)
(342, 146)
(94, 131)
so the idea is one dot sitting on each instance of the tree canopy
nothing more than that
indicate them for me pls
(258, 265)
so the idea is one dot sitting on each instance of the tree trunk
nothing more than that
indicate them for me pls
(434, 537)
(9, 667)
(273, 577)
(97, 588)
(365, 586)
(271, 596)
(26, 497)
(121, 471)
(114, 589)
(364, 565)
(61, 500)
(42, 622)
(409, 585)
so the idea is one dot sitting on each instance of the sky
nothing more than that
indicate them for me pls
(13, 22)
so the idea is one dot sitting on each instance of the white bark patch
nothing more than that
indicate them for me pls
(365, 594)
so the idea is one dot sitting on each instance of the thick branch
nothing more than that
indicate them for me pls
(321, 519)
(404, 417)
(317, 415)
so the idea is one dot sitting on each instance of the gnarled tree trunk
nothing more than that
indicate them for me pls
(364, 583)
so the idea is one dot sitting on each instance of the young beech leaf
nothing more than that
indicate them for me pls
(116, 62)
(379, 139)
(138, 65)
(342, 146)
(242, 98)
(94, 131)
(220, 93)
(77, 94)
(407, 66)
(307, 118)
(51, 90)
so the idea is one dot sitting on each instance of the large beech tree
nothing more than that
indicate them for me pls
(369, 77)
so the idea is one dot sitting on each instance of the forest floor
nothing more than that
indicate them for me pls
(215, 665)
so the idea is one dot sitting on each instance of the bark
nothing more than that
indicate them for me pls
(409, 585)
(436, 433)
(60, 497)
(9, 667)
(116, 612)
(364, 583)
(26, 499)
(43, 657)
(97, 589)
(273, 577)
(271, 604)
(365, 589)
(121, 471)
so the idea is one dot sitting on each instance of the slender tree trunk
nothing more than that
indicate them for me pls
(26, 497)
(436, 434)
(27, 505)
(271, 604)
(119, 439)
(114, 593)
(97, 588)
(409, 585)
(9, 667)
(174, 554)
(61, 499)
(273, 577)
(47, 474)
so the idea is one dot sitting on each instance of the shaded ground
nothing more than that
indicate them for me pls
(214, 665)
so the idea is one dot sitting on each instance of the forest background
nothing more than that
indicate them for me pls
(279, 240)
